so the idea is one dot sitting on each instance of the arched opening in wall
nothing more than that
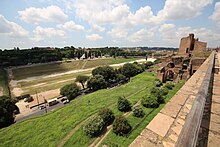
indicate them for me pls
(170, 65)
(187, 50)
(170, 75)
(184, 67)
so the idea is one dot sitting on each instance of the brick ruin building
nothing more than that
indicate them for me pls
(185, 63)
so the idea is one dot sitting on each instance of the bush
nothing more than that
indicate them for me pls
(121, 126)
(70, 91)
(107, 116)
(150, 101)
(158, 83)
(94, 127)
(164, 91)
(123, 104)
(148, 64)
(138, 111)
(158, 93)
(169, 85)
(97, 82)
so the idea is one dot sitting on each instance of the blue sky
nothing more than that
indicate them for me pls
(96, 23)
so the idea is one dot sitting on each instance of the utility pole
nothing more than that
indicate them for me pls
(45, 102)
(37, 99)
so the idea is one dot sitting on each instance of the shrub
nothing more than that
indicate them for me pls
(169, 85)
(158, 93)
(121, 126)
(138, 111)
(107, 116)
(148, 64)
(164, 91)
(150, 101)
(123, 104)
(158, 83)
(70, 91)
(94, 127)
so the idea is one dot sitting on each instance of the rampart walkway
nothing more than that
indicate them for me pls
(173, 126)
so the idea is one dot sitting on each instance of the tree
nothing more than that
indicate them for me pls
(70, 91)
(130, 70)
(97, 82)
(123, 104)
(7, 110)
(121, 126)
(107, 116)
(94, 127)
(148, 64)
(138, 111)
(106, 71)
(150, 101)
(82, 79)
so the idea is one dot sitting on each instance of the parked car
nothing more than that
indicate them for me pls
(42, 107)
(28, 99)
(64, 100)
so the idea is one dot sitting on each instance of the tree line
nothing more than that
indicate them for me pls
(16, 56)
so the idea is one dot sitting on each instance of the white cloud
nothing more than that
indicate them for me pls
(42, 33)
(94, 37)
(118, 33)
(98, 28)
(101, 12)
(216, 14)
(49, 14)
(11, 28)
(141, 35)
(144, 15)
(72, 26)
(168, 33)
(171, 35)
(182, 9)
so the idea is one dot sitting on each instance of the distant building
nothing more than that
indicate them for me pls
(190, 44)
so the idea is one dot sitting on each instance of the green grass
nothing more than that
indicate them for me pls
(50, 129)
(138, 124)
(4, 82)
(47, 69)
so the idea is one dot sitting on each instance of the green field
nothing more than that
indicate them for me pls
(51, 128)
(46, 69)
(4, 82)
(43, 83)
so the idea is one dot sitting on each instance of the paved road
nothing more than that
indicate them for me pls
(37, 112)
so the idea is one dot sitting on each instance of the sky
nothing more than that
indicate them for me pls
(101, 23)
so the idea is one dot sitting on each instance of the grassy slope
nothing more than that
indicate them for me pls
(3, 81)
(79, 139)
(63, 67)
(51, 128)
(138, 124)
